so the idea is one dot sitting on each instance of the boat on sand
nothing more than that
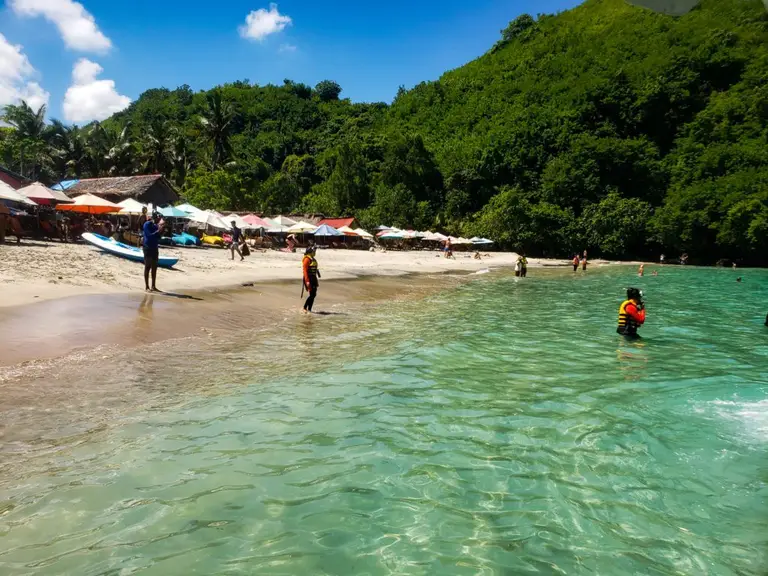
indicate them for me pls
(116, 248)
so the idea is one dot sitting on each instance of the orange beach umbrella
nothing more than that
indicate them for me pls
(89, 204)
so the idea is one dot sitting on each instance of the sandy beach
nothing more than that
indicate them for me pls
(37, 271)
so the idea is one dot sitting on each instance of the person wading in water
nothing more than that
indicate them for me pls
(311, 277)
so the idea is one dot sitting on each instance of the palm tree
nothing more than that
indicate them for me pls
(30, 128)
(28, 123)
(97, 142)
(181, 157)
(120, 155)
(157, 148)
(217, 121)
(68, 153)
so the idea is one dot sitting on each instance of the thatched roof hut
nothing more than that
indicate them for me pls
(149, 189)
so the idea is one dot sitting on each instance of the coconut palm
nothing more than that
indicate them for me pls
(156, 148)
(68, 153)
(29, 130)
(181, 157)
(217, 122)
(120, 157)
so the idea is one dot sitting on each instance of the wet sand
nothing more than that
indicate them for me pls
(57, 327)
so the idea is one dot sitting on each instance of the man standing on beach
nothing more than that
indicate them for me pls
(235, 246)
(151, 230)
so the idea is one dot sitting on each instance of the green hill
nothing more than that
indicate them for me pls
(607, 127)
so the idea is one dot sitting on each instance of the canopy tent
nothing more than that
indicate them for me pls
(283, 221)
(363, 233)
(325, 230)
(207, 218)
(346, 230)
(89, 204)
(131, 207)
(188, 208)
(8, 193)
(257, 222)
(42, 194)
(302, 228)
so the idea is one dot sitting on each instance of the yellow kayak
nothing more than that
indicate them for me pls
(212, 240)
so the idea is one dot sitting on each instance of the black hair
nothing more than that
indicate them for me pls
(633, 293)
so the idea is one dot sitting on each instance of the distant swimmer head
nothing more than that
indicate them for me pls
(634, 294)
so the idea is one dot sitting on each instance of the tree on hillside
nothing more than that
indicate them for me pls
(217, 123)
(328, 90)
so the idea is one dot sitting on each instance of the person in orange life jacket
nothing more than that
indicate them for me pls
(631, 313)
(311, 275)
(576, 263)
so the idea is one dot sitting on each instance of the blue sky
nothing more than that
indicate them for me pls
(88, 59)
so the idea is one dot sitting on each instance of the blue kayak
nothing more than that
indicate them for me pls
(123, 250)
(185, 239)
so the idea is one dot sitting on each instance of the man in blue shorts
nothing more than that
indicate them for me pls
(152, 229)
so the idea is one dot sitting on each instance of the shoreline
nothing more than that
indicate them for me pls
(34, 272)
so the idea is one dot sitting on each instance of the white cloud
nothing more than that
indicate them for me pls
(261, 23)
(15, 73)
(76, 25)
(91, 99)
(287, 48)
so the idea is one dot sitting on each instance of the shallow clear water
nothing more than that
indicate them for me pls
(498, 427)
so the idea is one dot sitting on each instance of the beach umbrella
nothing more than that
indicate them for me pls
(188, 208)
(239, 222)
(392, 236)
(207, 218)
(480, 241)
(363, 233)
(302, 228)
(348, 231)
(89, 204)
(8, 193)
(382, 228)
(173, 212)
(257, 222)
(131, 207)
(438, 237)
(43, 195)
(283, 221)
(326, 230)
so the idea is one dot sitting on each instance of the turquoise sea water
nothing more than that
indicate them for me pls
(497, 427)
